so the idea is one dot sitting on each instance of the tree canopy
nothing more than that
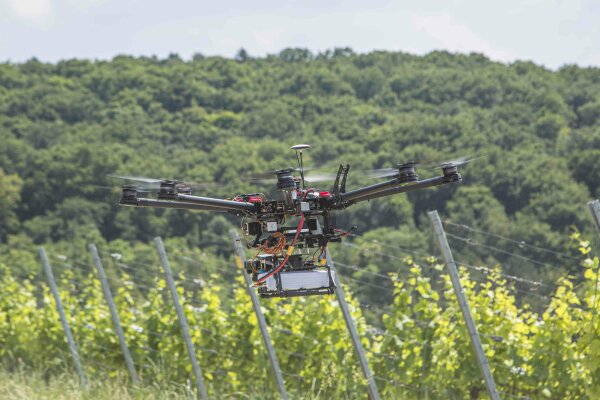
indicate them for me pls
(64, 127)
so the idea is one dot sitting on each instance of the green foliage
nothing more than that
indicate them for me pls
(10, 186)
(421, 349)
(65, 126)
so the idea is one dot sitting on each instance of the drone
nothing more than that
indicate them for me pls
(291, 231)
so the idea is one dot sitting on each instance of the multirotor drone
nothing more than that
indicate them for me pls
(291, 232)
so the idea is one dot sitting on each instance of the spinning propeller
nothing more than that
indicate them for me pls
(460, 161)
(270, 177)
(153, 184)
(407, 170)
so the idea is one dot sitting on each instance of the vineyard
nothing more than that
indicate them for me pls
(540, 337)
(517, 226)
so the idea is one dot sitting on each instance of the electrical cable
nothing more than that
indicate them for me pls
(276, 248)
(309, 190)
(343, 233)
(287, 256)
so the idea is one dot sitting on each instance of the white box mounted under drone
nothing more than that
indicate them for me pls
(296, 280)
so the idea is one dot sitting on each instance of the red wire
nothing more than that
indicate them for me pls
(309, 190)
(344, 233)
(264, 278)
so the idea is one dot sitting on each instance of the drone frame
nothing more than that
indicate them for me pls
(406, 181)
(296, 200)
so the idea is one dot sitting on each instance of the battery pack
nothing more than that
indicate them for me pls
(296, 280)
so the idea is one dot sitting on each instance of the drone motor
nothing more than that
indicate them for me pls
(407, 173)
(451, 174)
(168, 190)
(129, 195)
(287, 185)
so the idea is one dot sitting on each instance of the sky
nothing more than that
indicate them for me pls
(551, 33)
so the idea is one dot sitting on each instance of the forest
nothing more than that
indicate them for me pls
(66, 126)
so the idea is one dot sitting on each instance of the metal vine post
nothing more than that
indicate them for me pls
(482, 361)
(240, 259)
(63, 316)
(360, 351)
(113, 313)
(185, 330)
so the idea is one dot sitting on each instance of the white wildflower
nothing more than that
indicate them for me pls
(517, 370)
(201, 309)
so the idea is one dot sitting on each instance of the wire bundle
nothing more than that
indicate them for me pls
(276, 248)
(287, 256)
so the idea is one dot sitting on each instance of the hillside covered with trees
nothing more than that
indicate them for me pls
(64, 127)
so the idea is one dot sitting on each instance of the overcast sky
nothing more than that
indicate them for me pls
(550, 32)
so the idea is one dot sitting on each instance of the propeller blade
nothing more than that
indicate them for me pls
(308, 168)
(140, 188)
(270, 175)
(389, 172)
(137, 178)
(117, 189)
(150, 184)
(319, 177)
(460, 161)
(381, 173)
(195, 185)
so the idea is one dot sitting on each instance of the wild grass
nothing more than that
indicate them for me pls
(33, 385)
(28, 385)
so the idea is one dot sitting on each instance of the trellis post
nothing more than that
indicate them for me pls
(240, 259)
(185, 330)
(113, 313)
(482, 361)
(595, 210)
(360, 351)
(63, 316)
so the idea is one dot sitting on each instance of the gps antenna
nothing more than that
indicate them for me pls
(298, 148)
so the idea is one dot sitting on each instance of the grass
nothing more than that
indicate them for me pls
(21, 382)
(32, 385)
